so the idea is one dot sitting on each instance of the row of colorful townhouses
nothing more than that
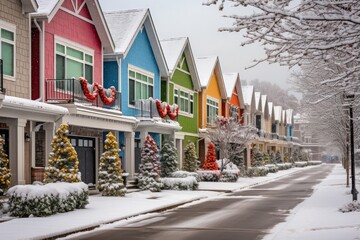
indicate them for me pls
(68, 61)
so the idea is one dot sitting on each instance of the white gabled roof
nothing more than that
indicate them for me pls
(271, 110)
(283, 117)
(173, 49)
(289, 116)
(124, 27)
(248, 93)
(278, 113)
(258, 106)
(264, 105)
(46, 7)
(231, 81)
(206, 66)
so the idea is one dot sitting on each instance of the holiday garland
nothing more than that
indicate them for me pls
(97, 90)
(163, 111)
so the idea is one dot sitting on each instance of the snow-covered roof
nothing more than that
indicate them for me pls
(283, 117)
(257, 101)
(264, 105)
(124, 26)
(46, 7)
(173, 49)
(206, 66)
(248, 94)
(232, 80)
(289, 116)
(271, 110)
(278, 113)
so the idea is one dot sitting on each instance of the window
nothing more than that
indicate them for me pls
(185, 100)
(212, 109)
(234, 112)
(7, 49)
(72, 62)
(141, 85)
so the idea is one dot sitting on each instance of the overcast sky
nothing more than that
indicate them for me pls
(179, 18)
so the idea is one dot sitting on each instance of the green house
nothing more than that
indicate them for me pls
(182, 89)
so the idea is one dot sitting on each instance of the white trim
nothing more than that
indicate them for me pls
(140, 70)
(72, 44)
(190, 134)
(188, 91)
(77, 15)
(212, 98)
(11, 28)
(183, 71)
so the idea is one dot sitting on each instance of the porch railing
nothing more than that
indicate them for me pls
(62, 91)
(146, 108)
(2, 89)
(274, 136)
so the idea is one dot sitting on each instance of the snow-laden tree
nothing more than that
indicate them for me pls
(110, 179)
(321, 34)
(191, 162)
(278, 157)
(5, 174)
(295, 156)
(63, 164)
(258, 157)
(149, 177)
(231, 138)
(272, 157)
(210, 161)
(168, 159)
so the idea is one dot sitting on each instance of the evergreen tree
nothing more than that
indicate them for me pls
(278, 157)
(258, 157)
(5, 174)
(238, 160)
(266, 158)
(63, 161)
(168, 159)
(110, 179)
(210, 161)
(286, 157)
(272, 157)
(149, 177)
(295, 155)
(191, 162)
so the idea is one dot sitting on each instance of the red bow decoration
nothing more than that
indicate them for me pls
(97, 90)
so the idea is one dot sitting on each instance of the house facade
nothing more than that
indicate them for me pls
(234, 104)
(182, 89)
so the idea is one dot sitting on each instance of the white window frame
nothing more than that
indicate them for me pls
(11, 28)
(78, 47)
(143, 72)
(178, 95)
(210, 105)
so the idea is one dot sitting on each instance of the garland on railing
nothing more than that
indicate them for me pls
(166, 110)
(97, 90)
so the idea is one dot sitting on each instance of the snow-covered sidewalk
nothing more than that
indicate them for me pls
(318, 217)
(103, 210)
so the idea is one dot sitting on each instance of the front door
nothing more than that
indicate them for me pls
(85, 148)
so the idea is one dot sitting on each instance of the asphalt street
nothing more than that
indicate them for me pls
(247, 214)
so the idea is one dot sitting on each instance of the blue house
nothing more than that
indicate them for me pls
(137, 68)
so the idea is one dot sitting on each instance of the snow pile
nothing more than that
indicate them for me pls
(272, 168)
(187, 183)
(257, 171)
(184, 174)
(300, 164)
(44, 200)
(284, 166)
(209, 175)
(351, 207)
(311, 163)
(230, 172)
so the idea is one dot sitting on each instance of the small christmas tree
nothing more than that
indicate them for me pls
(63, 161)
(110, 179)
(210, 161)
(149, 177)
(295, 156)
(278, 157)
(168, 159)
(191, 162)
(5, 174)
(286, 157)
(272, 157)
(258, 158)
(266, 158)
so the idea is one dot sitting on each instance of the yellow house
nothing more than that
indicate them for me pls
(211, 98)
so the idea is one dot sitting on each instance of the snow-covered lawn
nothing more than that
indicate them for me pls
(318, 216)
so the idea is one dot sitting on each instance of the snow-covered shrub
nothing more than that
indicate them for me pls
(209, 176)
(284, 166)
(272, 168)
(184, 174)
(187, 183)
(312, 163)
(168, 159)
(257, 171)
(191, 163)
(301, 164)
(44, 200)
(230, 172)
(5, 174)
(351, 207)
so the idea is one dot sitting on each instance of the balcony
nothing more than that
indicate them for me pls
(2, 89)
(67, 91)
(147, 109)
(274, 136)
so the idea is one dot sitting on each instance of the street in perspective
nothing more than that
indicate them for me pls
(191, 119)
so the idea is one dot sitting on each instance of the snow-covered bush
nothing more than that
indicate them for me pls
(209, 175)
(187, 183)
(311, 163)
(168, 159)
(44, 200)
(257, 171)
(230, 173)
(301, 164)
(5, 174)
(351, 207)
(184, 174)
(191, 163)
(284, 166)
(272, 168)
(258, 158)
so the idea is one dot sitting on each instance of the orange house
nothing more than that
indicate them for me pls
(212, 94)
(234, 104)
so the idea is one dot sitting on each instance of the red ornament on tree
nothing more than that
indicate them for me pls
(210, 161)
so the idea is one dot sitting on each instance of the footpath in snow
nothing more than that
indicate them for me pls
(318, 217)
(102, 210)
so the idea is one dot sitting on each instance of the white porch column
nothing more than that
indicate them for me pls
(21, 123)
(180, 152)
(49, 135)
(143, 135)
(130, 153)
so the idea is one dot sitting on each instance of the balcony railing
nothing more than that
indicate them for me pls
(274, 136)
(62, 91)
(2, 89)
(146, 108)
